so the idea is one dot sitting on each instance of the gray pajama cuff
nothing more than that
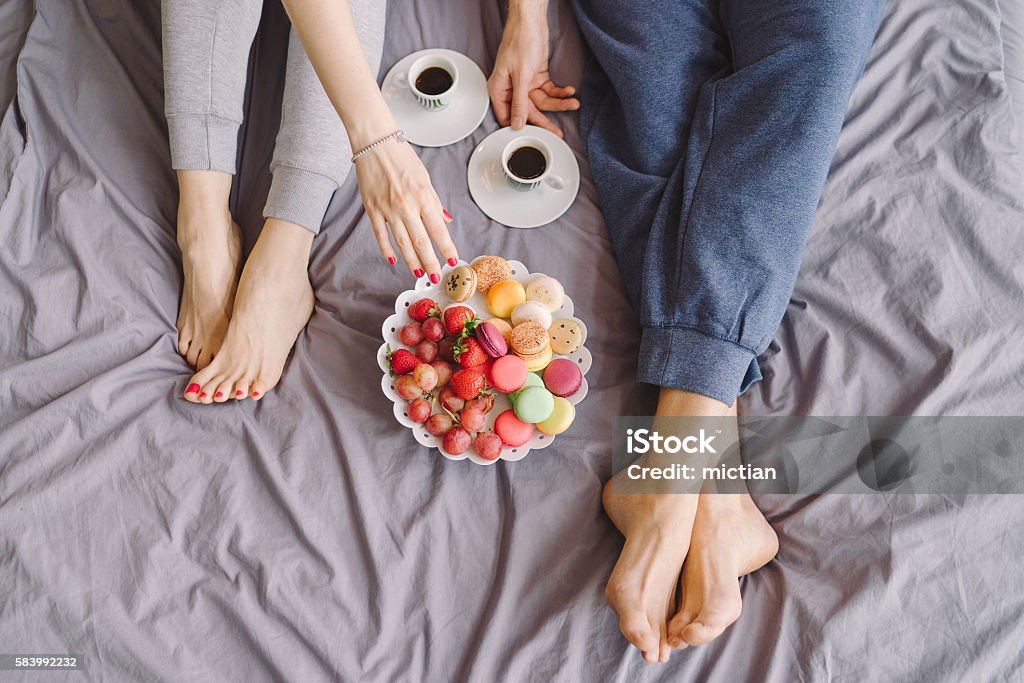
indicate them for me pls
(203, 142)
(299, 196)
(690, 360)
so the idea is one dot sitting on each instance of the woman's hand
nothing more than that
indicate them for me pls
(397, 194)
(520, 85)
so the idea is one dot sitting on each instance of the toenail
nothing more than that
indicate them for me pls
(202, 395)
(239, 393)
(192, 388)
(255, 394)
(218, 394)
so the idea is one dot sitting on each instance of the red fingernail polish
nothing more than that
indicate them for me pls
(192, 388)
(255, 394)
(391, 260)
(218, 394)
(446, 214)
(452, 262)
(239, 393)
(418, 272)
(435, 278)
(202, 395)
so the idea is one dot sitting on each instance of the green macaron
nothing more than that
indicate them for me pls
(534, 404)
(532, 380)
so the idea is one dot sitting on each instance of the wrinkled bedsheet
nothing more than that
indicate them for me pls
(308, 538)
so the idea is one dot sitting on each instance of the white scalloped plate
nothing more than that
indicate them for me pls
(478, 302)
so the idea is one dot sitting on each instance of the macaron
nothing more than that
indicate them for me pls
(546, 290)
(490, 270)
(540, 361)
(562, 377)
(560, 419)
(534, 405)
(460, 283)
(502, 325)
(566, 336)
(511, 430)
(491, 340)
(532, 310)
(532, 380)
(529, 339)
(508, 374)
(504, 296)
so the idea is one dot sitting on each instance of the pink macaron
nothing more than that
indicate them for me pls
(511, 430)
(562, 377)
(508, 374)
(491, 340)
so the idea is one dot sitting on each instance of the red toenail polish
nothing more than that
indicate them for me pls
(239, 393)
(452, 262)
(192, 388)
(446, 214)
(391, 260)
(418, 272)
(202, 395)
(435, 278)
(255, 394)
(218, 394)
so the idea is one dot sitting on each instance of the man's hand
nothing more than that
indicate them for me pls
(521, 86)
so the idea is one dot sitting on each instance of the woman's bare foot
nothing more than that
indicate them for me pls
(211, 251)
(273, 304)
(730, 539)
(657, 526)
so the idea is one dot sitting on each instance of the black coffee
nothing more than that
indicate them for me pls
(434, 80)
(527, 163)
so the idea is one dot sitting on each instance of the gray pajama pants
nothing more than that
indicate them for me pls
(206, 53)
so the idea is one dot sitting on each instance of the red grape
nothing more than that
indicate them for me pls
(450, 400)
(407, 388)
(483, 404)
(488, 445)
(411, 334)
(445, 349)
(419, 410)
(425, 376)
(426, 351)
(433, 329)
(444, 372)
(473, 420)
(439, 424)
(456, 441)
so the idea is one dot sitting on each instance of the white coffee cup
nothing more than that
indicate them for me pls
(427, 101)
(526, 184)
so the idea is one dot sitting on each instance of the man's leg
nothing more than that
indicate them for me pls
(312, 159)
(206, 50)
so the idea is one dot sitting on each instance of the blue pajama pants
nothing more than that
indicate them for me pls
(710, 129)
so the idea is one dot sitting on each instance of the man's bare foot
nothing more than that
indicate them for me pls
(657, 526)
(730, 539)
(211, 251)
(273, 304)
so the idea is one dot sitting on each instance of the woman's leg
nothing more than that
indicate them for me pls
(311, 160)
(206, 51)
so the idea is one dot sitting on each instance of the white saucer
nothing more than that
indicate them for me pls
(469, 105)
(514, 208)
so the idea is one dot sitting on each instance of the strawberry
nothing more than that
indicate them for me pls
(468, 384)
(456, 317)
(402, 361)
(468, 353)
(423, 309)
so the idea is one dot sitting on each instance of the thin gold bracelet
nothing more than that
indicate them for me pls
(398, 136)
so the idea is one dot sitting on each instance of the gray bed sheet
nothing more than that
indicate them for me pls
(308, 538)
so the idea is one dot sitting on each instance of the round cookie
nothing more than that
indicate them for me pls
(532, 310)
(504, 296)
(563, 378)
(508, 374)
(491, 340)
(560, 419)
(529, 340)
(490, 270)
(511, 430)
(532, 380)
(546, 290)
(503, 327)
(540, 361)
(566, 336)
(460, 283)
(534, 405)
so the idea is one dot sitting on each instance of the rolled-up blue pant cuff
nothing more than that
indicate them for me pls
(686, 359)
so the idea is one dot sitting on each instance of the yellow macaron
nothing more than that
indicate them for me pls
(538, 362)
(504, 296)
(560, 419)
